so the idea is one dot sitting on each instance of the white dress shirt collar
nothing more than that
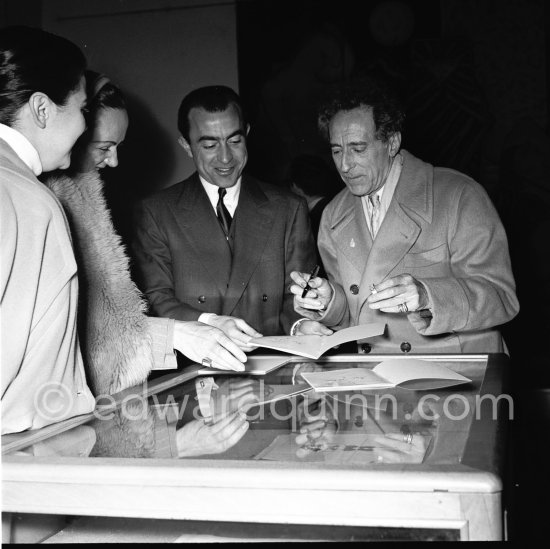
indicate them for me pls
(22, 147)
(231, 199)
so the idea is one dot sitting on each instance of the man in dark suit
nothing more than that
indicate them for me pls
(219, 247)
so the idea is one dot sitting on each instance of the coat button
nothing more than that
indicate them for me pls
(406, 346)
(354, 289)
(366, 348)
(264, 298)
(201, 299)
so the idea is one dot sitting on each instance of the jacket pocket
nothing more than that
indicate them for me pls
(426, 258)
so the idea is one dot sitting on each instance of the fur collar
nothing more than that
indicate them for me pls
(112, 323)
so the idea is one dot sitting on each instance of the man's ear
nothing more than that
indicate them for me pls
(185, 146)
(395, 143)
(41, 108)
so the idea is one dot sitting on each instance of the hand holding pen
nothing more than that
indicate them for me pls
(311, 293)
(312, 275)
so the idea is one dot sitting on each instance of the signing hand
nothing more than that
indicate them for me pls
(236, 329)
(197, 438)
(312, 327)
(400, 294)
(316, 299)
(198, 341)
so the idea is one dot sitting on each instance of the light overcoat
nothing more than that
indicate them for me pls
(442, 229)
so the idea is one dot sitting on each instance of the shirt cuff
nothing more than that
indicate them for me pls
(204, 387)
(205, 318)
(294, 327)
(162, 343)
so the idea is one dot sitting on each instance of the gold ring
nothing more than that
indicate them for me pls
(408, 438)
(207, 362)
(402, 307)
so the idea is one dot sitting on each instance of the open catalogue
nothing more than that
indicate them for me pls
(407, 373)
(314, 346)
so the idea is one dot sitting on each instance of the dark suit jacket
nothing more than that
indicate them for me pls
(184, 263)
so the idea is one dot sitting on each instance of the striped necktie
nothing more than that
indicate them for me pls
(375, 214)
(223, 215)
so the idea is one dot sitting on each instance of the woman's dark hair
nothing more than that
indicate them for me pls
(369, 92)
(211, 99)
(33, 60)
(102, 94)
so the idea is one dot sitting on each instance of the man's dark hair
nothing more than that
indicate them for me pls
(33, 60)
(211, 99)
(369, 92)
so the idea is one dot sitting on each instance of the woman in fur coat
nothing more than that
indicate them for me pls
(120, 343)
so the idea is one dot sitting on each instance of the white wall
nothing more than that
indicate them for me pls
(156, 52)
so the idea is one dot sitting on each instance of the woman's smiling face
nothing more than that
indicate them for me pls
(109, 132)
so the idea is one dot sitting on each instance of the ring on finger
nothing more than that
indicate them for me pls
(408, 438)
(206, 362)
(402, 307)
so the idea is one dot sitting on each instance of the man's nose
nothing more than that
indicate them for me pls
(112, 159)
(346, 163)
(225, 155)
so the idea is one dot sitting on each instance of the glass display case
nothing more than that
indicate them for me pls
(268, 450)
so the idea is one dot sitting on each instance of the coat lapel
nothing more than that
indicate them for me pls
(354, 240)
(202, 230)
(396, 236)
(352, 234)
(412, 202)
(253, 221)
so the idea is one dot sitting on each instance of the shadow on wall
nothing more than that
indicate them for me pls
(146, 164)
(448, 116)
(284, 126)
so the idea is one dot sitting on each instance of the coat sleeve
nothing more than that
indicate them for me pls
(480, 294)
(337, 314)
(153, 259)
(144, 348)
(161, 331)
(300, 255)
